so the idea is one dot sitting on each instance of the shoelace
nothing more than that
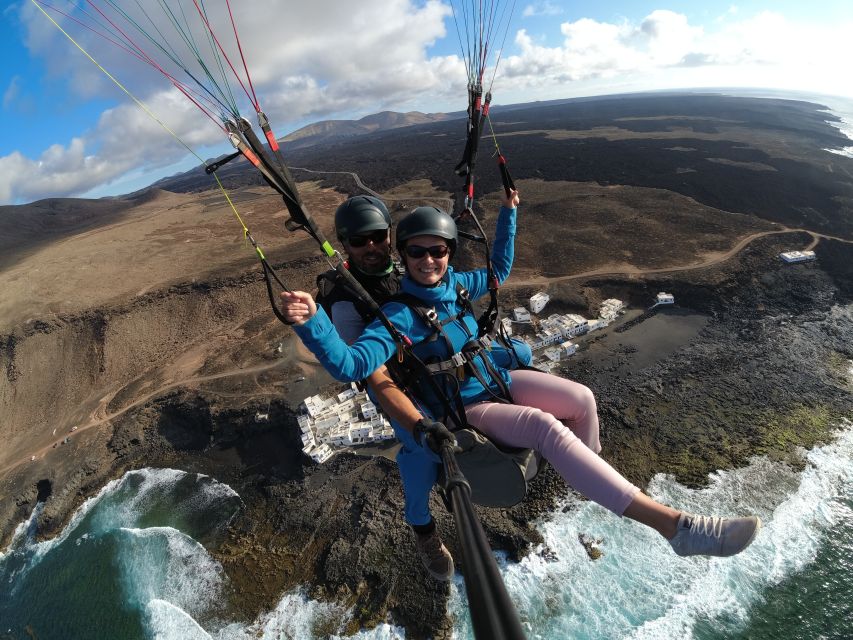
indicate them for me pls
(710, 526)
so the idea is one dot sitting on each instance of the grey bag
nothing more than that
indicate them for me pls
(498, 475)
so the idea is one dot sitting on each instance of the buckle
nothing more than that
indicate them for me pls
(458, 359)
(431, 315)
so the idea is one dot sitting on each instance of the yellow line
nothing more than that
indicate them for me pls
(145, 108)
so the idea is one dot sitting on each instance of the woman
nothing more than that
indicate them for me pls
(426, 241)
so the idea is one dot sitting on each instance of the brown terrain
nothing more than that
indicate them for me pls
(137, 331)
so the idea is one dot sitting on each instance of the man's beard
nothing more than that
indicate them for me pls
(377, 266)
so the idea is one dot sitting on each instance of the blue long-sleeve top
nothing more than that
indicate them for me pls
(375, 346)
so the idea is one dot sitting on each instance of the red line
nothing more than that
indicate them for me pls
(154, 64)
(92, 29)
(224, 55)
(240, 49)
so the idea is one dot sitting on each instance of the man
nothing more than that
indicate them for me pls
(362, 224)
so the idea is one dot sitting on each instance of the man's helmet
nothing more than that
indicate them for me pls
(427, 221)
(360, 215)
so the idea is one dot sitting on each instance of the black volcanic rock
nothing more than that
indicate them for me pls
(723, 151)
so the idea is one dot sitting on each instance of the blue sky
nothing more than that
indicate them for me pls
(74, 133)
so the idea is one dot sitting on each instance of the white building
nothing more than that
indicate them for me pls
(520, 314)
(368, 410)
(506, 323)
(321, 454)
(596, 324)
(664, 298)
(568, 349)
(553, 354)
(611, 308)
(343, 420)
(538, 301)
(346, 394)
(798, 256)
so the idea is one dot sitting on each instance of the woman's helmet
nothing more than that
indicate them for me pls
(427, 221)
(360, 215)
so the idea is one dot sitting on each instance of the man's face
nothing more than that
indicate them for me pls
(370, 252)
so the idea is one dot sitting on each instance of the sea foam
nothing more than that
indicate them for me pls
(640, 589)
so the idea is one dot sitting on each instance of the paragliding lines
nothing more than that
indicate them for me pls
(269, 272)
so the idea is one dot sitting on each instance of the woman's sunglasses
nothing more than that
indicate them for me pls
(377, 237)
(436, 251)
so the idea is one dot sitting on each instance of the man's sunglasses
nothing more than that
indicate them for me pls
(377, 237)
(436, 251)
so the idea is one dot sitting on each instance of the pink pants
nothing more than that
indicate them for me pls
(558, 418)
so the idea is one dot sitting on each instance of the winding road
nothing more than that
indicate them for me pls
(543, 280)
(98, 417)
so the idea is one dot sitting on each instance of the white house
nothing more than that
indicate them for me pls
(552, 354)
(368, 410)
(506, 323)
(538, 301)
(568, 349)
(321, 453)
(798, 256)
(664, 298)
(610, 308)
(520, 314)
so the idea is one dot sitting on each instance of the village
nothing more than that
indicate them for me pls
(349, 419)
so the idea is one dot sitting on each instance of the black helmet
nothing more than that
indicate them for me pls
(359, 215)
(427, 221)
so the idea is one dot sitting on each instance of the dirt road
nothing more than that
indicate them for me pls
(606, 271)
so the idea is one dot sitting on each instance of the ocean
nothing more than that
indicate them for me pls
(132, 563)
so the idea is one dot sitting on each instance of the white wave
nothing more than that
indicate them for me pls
(122, 502)
(161, 563)
(140, 496)
(24, 533)
(297, 617)
(845, 126)
(165, 621)
(640, 589)
(847, 152)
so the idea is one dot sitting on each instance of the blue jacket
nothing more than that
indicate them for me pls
(376, 346)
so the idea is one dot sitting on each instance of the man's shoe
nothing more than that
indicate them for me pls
(434, 556)
(712, 536)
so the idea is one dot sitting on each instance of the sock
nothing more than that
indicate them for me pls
(424, 529)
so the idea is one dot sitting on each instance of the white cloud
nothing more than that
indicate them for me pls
(728, 13)
(541, 9)
(12, 92)
(125, 139)
(315, 60)
(308, 60)
(665, 51)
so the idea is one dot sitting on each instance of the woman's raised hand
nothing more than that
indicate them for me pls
(512, 200)
(297, 306)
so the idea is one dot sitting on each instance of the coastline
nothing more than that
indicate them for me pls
(330, 529)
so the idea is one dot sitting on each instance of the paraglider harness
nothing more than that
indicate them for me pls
(332, 288)
(498, 475)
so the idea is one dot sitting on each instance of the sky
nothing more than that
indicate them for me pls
(70, 131)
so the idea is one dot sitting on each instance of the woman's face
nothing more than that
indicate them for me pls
(426, 259)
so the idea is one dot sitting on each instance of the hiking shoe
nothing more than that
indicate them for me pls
(434, 556)
(712, 536)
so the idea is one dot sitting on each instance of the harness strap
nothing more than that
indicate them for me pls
(460, 358)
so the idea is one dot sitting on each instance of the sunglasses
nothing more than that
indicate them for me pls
(436, 251)
(377, 237)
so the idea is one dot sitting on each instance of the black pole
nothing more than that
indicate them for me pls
(493, 615)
